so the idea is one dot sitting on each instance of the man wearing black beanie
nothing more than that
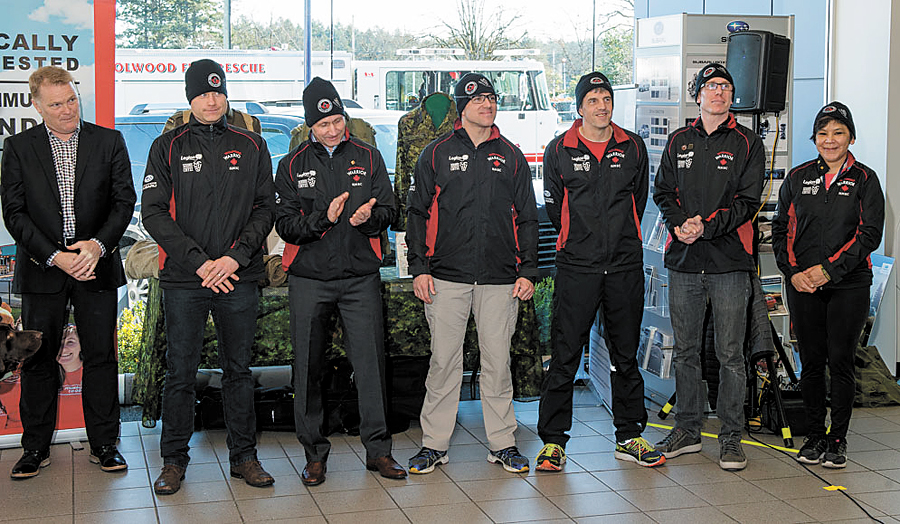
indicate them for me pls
(480, 257)
(335, 199)
(220, 178)
(708, 188)
(595, 188)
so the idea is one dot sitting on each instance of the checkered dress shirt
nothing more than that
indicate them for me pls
(65, 155)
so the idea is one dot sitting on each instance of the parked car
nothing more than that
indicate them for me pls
(141, 129)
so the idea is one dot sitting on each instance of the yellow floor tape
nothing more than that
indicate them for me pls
(757, 444)
(748, 442)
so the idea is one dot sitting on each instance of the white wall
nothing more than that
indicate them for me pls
(864, 63)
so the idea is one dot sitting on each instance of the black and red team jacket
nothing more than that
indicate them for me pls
(208, 193)
(837, 227)
(596, 204)
(719, 177)
(306, 182)
(472, 216)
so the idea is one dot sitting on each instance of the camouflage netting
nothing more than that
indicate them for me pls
(405, 327)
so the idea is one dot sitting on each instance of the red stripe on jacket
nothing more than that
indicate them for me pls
(846, 246)
(563, 221)
(792, 235)
(637, 221)
(431, 226)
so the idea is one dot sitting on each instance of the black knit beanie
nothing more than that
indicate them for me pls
(588, 83)
(471, 84)
(707, 73)
(202, 77)
(837, 111)
(321, 99)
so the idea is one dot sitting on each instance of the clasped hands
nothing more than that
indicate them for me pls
(80, 265)
(690, 231)
(809, 280)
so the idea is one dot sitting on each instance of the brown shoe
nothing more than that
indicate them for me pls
(386, 466)
(313, 474)
(169, 481)
(253, 473)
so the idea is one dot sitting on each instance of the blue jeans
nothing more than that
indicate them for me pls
(728, 294)
(234, 315)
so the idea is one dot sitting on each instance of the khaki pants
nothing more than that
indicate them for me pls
(495, 313)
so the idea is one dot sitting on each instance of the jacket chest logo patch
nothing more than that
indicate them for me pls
(191, 163)
(724, 159)
(356, 174)
(306, 179)
(231, 158)
(685, 160)
(459, 162)
(496, 160)
(581, 163)
(811, 187)
(616, 157)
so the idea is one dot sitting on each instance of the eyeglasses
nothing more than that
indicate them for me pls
(713, 87)
(479, 99)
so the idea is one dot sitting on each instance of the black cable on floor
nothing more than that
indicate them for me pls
(806, 467)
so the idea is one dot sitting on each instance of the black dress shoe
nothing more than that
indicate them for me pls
(109, 458)
(30, 464)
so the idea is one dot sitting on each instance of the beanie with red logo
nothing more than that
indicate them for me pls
(202, 77)
(588, 83)
(321, 99)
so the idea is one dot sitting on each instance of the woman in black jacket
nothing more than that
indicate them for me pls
(830, 218)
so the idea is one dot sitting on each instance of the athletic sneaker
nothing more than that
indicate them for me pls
(678, 441)
(512, 460)
(731, 455)
(814, 446)
(426, 459)
(640, 451)
(836, 454)
(551, 458)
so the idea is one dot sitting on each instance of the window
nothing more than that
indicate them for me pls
(516, 89)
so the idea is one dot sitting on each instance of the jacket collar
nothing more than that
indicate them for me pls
(570, 139)
(458, 128)
(729, 123)
(822, 167)
(221, 125)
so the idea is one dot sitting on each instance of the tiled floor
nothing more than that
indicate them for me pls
(593, 488)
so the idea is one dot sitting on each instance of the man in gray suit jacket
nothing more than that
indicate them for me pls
(67, 197)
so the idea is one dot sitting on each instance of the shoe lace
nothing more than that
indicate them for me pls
(731, 447)
(838, 446)
(509, 453)
(674, 436)
(428, 454)
(639, 445)
(552, 450)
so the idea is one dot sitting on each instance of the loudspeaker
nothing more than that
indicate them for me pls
(758, 62)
